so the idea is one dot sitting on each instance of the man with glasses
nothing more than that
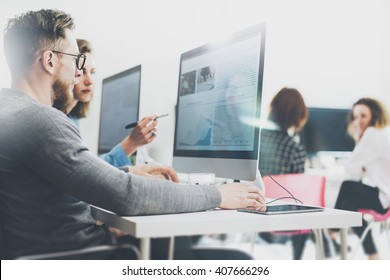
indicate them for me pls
(48, 177)
(80, 59)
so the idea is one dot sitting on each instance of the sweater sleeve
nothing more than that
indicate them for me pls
(116, 157)
(56, 153)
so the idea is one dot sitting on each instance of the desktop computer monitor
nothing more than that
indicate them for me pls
(119, 107)
(218, 106)
(326, 132)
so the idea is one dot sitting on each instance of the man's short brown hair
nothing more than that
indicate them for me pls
(28, 35)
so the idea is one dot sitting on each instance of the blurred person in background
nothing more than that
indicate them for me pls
(367, 183)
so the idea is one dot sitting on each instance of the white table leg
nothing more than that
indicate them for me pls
(145, 248)
(319, 244)
(343, 243)
(171, 248)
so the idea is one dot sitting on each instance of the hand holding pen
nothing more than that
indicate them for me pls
(134, 124)
(143, 132)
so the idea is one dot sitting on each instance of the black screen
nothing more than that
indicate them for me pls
(119, 107)
(326, 131)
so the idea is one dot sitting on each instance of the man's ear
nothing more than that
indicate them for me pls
(48, 62)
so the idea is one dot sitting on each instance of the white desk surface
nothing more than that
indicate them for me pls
(224, 221)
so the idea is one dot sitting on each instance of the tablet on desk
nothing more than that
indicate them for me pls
(284, 209)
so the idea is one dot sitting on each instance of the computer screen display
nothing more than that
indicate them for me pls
(218, 105)
(119, 107)
(326, 131)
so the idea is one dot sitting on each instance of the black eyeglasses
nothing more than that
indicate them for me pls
(80, 59)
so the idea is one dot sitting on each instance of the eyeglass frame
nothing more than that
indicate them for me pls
(78, 56)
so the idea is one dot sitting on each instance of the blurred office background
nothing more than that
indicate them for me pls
(332, 51)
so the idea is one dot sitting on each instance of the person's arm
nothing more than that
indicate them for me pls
(366, 150)
(57, 155)
(235, 195)
(142, 134)
(242, 195)
(155, 170)
(116, 157)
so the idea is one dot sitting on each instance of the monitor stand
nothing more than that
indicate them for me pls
(201, 179)
(258, 182)
(210, 179)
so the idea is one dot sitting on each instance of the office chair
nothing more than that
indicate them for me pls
(307, 188)
(119, 252)
(373, 217)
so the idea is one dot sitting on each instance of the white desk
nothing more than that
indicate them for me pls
(226, 221)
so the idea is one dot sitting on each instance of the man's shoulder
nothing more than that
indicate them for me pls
(26, 113)
(21, 101)
(42, 114)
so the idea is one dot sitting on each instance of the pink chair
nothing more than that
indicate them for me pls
(373, 217)
(306, 188)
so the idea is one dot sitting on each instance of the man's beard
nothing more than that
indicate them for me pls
(62, 95)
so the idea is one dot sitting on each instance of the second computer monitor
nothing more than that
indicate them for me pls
(218, 106)
(326, 132)
(119, 107)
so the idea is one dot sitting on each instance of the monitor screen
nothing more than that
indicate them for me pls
(326, 131)
(218, 104)
(119, 107)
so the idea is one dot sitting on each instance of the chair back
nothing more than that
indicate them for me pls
(308, 188)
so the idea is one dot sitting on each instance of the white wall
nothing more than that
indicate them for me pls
(333, 51)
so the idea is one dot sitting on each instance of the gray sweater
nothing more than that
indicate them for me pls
(48, 178)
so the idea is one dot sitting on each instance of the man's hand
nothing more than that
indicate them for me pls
(154, 170)
(242, 195)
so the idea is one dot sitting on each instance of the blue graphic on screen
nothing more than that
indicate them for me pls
(219, 101)
(218, 106)
(200, 135)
